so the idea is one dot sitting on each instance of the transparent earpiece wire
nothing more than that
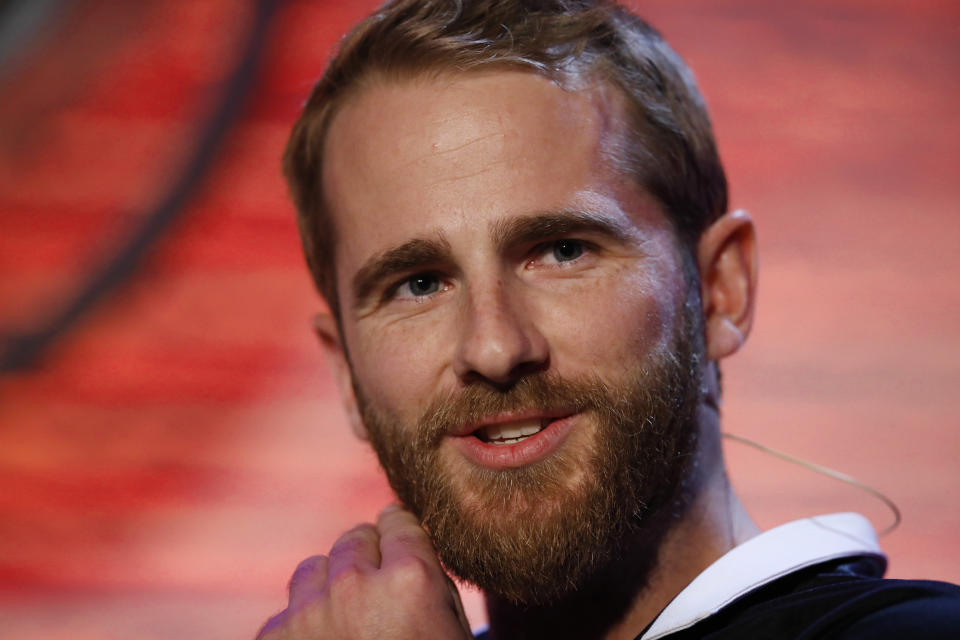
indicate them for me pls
(830, 473)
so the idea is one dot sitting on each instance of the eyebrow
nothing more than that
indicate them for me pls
(421, 253)
(410, 256)
(559, 222)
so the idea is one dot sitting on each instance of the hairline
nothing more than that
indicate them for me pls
(574, 78)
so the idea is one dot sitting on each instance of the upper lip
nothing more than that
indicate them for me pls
(509, 417)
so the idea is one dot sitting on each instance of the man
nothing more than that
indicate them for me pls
(517, 215)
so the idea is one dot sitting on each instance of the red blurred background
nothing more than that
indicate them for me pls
(179, 447)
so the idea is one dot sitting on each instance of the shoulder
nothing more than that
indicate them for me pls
(837, 601)
(904, 608)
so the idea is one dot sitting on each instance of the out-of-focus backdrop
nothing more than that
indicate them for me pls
(171, 444)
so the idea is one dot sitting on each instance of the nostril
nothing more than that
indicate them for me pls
(499, 341)
(503, 379)
(530, 367)
(505, 383)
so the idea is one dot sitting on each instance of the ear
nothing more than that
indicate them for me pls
(325, 325)
(727, 257)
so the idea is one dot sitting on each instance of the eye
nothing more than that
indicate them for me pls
(419, 286)
(567, 250)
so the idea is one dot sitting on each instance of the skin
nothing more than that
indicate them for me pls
(455, 160)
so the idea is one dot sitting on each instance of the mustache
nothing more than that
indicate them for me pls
(534, 392)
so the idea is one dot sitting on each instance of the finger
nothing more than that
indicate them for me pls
(271, 629)
(307, 580)
(357, 549)
(401, 535)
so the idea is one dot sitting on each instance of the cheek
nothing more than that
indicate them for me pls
(396, 370)
(612, 326)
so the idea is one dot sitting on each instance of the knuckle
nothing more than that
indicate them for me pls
(412, 537)
(348, 545)
(309, 565)
(411, 574)
(354, 539)
(347, 582)
(307, 568)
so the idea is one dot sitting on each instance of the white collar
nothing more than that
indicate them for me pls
(762, 559)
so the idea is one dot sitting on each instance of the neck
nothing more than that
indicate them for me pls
(646, 575)
(715, 524)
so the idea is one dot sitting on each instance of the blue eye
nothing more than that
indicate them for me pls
(567, 250)
(422, 284)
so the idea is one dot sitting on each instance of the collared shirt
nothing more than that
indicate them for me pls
(815, 578)
(761, 560)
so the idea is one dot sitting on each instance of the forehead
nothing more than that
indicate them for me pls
(404, 158)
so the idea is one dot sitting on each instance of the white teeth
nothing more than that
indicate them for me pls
(512, 432)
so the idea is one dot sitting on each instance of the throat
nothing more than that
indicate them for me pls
(598, 610)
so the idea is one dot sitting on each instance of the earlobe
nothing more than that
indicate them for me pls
(325, 326)
(728, 268)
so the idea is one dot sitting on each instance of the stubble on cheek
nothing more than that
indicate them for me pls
(532, 534)
(539, 533)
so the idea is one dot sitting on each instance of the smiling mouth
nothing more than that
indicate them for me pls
(511, 432)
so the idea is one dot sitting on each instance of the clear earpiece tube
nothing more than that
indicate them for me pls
(830, 473)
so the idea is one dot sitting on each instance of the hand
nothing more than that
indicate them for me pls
(382, 581)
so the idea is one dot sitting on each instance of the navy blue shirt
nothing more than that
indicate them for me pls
(839, 600)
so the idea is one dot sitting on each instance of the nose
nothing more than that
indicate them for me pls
(499, 341)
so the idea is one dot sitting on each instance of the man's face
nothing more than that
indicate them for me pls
(523, 347)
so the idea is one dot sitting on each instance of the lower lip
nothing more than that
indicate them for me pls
(516, 454)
